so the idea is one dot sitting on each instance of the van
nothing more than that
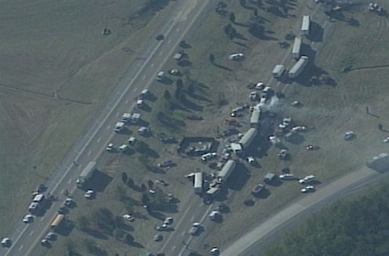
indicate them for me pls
(119, 126)
(278, 71)
(126, 117)
(39, 198)
(214, 215)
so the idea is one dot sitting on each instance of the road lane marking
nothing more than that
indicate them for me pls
(117, 114)
(127, 101)
(192, 218)
(21, 247)
(90, 152)
(152, 65)
(169, 41)
(160, 53)
(178, 29)
(143, 77)
(108, 126)
(99, 139)
(183, 233)
(42, 218)
(31, 233)
(173, 248)
(69, 181)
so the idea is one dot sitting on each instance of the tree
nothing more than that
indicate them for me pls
(145, 199)
(232, 17)
(144, 159)
(143, 187)
(124, 177)
(130, 182)
(212, 58)
(83, 223)
(150, 183)
(121, 193)
(167, 95)
(129, 238)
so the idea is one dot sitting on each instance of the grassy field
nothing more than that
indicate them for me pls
(56, 70)
(212, 89)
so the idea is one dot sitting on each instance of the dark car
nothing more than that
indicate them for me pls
(166, 163)
(160, 37)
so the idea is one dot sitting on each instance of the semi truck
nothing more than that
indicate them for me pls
(86, 174)
(298, 67)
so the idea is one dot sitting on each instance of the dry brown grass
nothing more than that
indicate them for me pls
(56, 72)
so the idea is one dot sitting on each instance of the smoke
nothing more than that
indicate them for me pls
(273, 105)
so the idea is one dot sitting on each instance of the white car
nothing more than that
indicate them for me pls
(308, 189)
(28, 218)
(89, 194)
(259, 86)
(123, 147)
(300, 128)
(174, 72)
(208, 156)
(307, 179)
(128, 217)
(168, 221)
(160, 76)
(51, 236)
(110, 147)
(287, 176)
(236, 56)
(215, 251)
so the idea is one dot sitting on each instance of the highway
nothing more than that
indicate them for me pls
(253, 242)
(26, 237)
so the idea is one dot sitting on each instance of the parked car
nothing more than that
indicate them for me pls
(215, 251)
(236, 56)
(257, 189)
(51, 236)
(168, 221)
(89, 194)
(307, 179)
(287, 176)
(158, 238)
(349, 135)
(195, 228)
(110, 147)
(123, 148)
(166, 163)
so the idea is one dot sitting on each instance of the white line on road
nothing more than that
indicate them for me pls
(169, 41)
(42, 218)
(31, 233)
(117, 114)
(183, 233)
(173, 248)
(108, 126)
(99, 139)
(21, 247)
(143, 77)
(152, 65)
(90, 152)
(69, 181)
(160, 53)
(192, 218)
(178, 29)
(134, 89)
(127, 101)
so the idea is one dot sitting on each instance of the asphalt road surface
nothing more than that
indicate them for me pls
(26, 237)
(253, 242)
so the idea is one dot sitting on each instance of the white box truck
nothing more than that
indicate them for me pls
(296, 51)
(119, 126)
(198, 182)
(278, 71)
(298, 67)
(305, 25)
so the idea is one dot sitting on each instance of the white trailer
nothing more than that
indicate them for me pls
(255, 116)
(298, 67)
(86, 174)
(226, 171)
(297, 48)
(305, 25)
(247, 138)
(198, 182)
(278, 71)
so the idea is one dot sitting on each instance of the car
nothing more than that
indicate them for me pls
(128, 217)
(349, 135)
(260, 86)
(162, 227)
(89, 194)
(250, 160)
(51, 236)
(158, 238)
(307, 179)
(69, 202)
(214, 215)
(283, 154)
(311, 147)
(110, 147)
(123, 148)
(149, 254)
(287, 176)
(160, 37)
(208, 156)
(28, 218)
(160, 76)
(296, 103)
(299, 128)
(168, 221)
(308, 189)
(41, 188)
(253, 96)
(215, 251)
(6, 242)
(162, 182)
(257, 189)
(236, 56)
(45, 242)
(166, 163)
(160, 254)
(195, 228)
(174, 72)
(62, 210)
(143, 130)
